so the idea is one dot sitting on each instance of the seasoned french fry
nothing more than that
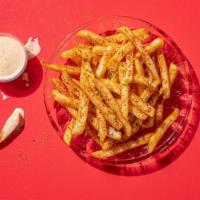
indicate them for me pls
(112, 103)
(110, 117)
(154, 45)
(140, 71)
(164, 75)
(92, 37)
(147, 59)
(160, 131)
(102, 67)
(128, 72)
(72, 111)
(147, 93)
(144, 107)
(159, 113)
(68, 132)
(140, 80)
(93, 121)
(114, 134)
(102, 128)
(82, 114)
(141, 33)
(120, 148)
(59, 85)
(87, 77)
(125, 90)
(95, 61)
(117, 57)
(138, 113)
(85, 53)
(66, 79)
(100, 50)
(108, 143)
(72, 70)
(93, 134)
(111, 85)
(73, 55)
(173, 71)
(64, 100)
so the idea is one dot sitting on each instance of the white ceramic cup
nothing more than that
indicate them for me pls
(14, 56)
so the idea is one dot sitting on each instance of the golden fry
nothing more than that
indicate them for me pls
(97, 101)
(154, 45)
(164, 75)
(93, 134)
(159, 113)
(125, 90)
(92, 37)
(129, 69)
(111, 85)
(64, 100)
(59, 85)
(68, 132)
(72, 70)
(117, 57)
(82, 114)
(141, 33)
(140, 80)
(138, 113)
(112, 103)
(100, 50)
(73, 55)
(144, 107)
(147, 59)
(140, 71)
(102, 67)
(72, 111)
(147, 93)
(66, 79)
(120, 148)
(102, 128)
(93, 121)
(160, 131)
(173, 71)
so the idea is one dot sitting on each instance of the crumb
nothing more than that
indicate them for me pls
(27, 84)
(40, 139)
(25, 77)
(5, 97)
(23, 156)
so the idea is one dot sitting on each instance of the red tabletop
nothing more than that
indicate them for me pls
(37, 164)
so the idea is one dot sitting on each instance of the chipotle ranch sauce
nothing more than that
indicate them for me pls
(12, 58)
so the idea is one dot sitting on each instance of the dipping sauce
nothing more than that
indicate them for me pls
(13, 58)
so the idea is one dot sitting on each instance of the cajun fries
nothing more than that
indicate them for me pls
(155, 138)
(116, 86)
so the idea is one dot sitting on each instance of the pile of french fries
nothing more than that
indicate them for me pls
(121, 88)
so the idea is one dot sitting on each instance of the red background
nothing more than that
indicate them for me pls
(37, 164)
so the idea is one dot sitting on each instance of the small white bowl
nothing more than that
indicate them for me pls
(21, 68)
